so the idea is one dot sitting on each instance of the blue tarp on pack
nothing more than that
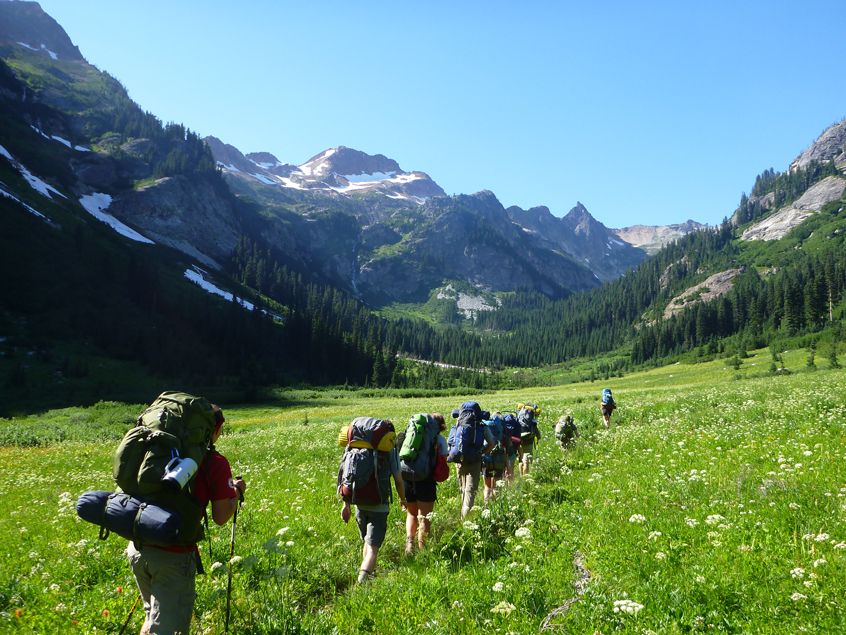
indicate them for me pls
(130, 518)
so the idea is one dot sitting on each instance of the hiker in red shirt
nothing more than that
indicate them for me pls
(165, 575)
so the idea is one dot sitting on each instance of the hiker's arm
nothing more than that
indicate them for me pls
(224, 509)
(489, 445)
(400, 488)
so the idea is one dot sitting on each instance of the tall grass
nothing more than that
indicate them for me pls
(711, 505)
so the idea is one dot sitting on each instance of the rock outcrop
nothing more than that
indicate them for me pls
(651, 238)
(715, 286)
(184, 214)
(779, 224)
(831, 145)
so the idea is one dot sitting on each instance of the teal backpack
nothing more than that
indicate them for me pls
(497, 458)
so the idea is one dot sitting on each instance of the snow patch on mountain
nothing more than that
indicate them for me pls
(198, 279)
(367, 178)
(96, 204)
(36, 183)
(317, 165)
(28, 208)
(43, 47)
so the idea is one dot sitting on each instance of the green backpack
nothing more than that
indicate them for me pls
(175, 426)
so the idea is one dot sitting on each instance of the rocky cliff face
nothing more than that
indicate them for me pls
(184, 214)
(778, 225)
(831, 146)
(471, 238)
(651, 238)
(26, 24)
(580, 236)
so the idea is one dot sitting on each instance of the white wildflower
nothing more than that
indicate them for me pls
(282, 531)
(819, 563)
(691, 522)
(523, 532)
(627, 606)
(660, 556)
(498, 587)
(637, 518)
(714, 519)
(798, 597)
(504, 608)
(797, 573)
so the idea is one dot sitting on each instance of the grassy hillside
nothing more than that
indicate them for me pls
(712, 504)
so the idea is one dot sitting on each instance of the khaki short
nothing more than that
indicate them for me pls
(166, 583)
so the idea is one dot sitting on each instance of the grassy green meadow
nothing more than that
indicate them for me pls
(712, 505)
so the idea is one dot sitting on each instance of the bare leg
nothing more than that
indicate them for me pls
(368, 561)
(412, 511)
(425, 521)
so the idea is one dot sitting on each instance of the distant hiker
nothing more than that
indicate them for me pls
(566, 432)
(364, 479)
(495, 463)
(423, 449)
(165, 575)
(469, 439)
(607, 406)
(527, 417)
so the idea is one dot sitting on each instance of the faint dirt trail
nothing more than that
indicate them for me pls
(580, 585)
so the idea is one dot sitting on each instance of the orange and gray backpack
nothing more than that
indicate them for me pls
(364, 476)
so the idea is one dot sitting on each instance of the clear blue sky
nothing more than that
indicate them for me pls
(646, 112)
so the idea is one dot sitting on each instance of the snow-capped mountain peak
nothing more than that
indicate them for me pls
(338, 170)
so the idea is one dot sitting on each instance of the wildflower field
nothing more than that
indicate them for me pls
(712, 505)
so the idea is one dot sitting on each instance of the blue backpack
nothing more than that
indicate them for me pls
(512, 429)
(467, 435)
(607, 399)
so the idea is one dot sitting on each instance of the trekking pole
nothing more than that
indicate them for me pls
(129, 617)
(231, 555)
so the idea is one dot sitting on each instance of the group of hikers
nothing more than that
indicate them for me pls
(167, 471)
(484, 446)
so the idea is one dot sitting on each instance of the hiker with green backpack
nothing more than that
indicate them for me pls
(423, 452)
(168, 462)
(369, 462)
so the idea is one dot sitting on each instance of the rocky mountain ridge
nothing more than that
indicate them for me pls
(580, 236)
(338, 170)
